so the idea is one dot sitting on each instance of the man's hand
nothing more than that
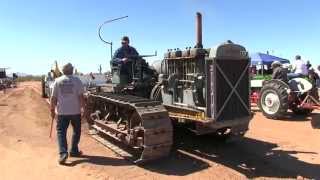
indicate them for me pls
(124, 60)
(83, 113)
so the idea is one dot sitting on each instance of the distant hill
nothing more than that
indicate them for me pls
(19, 74)
(22, 74)
(29, 78)
(26, 77)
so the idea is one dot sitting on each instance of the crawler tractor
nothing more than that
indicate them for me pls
(204, 90)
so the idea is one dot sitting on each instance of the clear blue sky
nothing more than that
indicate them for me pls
(34, 33)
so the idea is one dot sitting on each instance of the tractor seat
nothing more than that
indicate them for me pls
(300, 85)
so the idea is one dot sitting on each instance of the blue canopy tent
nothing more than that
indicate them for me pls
(266, 59)
(262, 62)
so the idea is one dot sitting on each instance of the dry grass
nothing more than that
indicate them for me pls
(29, 78)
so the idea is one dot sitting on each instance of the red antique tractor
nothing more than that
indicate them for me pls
(276, 97)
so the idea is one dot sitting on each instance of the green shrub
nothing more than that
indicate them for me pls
(29, 78)
(262, 77)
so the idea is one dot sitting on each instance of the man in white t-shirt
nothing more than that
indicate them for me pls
(67, 102)
(299, 68)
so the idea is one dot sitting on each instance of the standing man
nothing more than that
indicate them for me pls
(309, 65)
(67, 101)
(299, 68)
(122, 55)
(123, 59)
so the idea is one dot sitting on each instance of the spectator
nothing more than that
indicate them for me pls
(309, 65)
(299, 68)
(318, 73)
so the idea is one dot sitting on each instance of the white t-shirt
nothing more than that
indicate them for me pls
(318, 72)
(67, 90)
(300, 67)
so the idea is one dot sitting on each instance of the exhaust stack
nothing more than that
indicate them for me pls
(199, 30)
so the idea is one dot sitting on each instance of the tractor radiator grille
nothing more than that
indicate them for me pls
(237, 74)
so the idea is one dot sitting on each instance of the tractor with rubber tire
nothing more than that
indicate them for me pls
(277, 97)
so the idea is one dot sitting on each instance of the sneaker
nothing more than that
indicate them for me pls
(75, 154)
(63, 159)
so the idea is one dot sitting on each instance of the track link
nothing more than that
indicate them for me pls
(154, 139)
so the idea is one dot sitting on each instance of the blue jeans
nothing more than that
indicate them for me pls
(62, 127)
(318, 83)
(294, 75)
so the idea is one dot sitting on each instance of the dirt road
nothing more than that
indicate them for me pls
(287, 148)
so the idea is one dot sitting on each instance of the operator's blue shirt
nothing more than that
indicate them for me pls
(124, 52)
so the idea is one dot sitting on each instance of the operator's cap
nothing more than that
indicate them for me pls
(125, 38)
(298, 57)
(275, 64)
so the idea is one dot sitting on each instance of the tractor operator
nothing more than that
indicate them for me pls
(122, 56)
(67, 101)
(279, 72)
